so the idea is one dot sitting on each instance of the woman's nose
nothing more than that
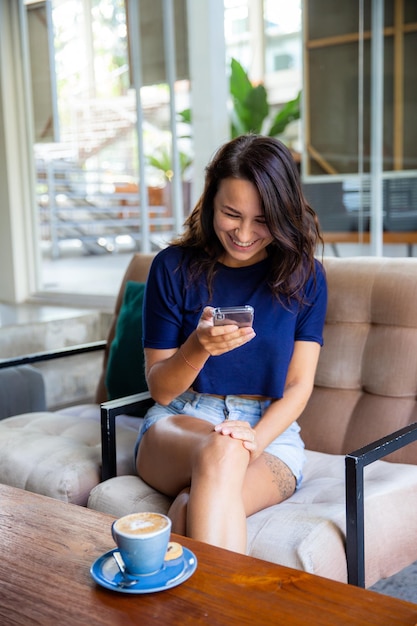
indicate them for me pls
(244, 231)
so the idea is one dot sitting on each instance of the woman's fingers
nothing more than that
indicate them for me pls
(220, 339)
(236, 429)
(242, 431)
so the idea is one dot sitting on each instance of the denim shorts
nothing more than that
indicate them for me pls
(288, 447)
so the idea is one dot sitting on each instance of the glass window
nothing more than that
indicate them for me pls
(87, 151)
(88, 154)
(360, 156)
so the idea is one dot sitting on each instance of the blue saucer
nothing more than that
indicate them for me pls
(106, 573)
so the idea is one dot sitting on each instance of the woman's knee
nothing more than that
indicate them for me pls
(220, 455)
(166, 451)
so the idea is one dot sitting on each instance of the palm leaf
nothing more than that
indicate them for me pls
(289, 112)
(240, 84)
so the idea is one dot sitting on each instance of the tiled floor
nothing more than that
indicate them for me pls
(31, 313)
(403, 585)
(90, 275)
(93, 282)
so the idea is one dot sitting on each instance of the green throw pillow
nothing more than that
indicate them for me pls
(125, 369)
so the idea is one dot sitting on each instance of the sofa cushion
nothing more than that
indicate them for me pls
(127, 494)
(59, 454)
(312, 523)
(125, 369)
(307, 531)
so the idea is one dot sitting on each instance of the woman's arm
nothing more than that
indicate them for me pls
(283, 412)
(171, 372)
(298, 387)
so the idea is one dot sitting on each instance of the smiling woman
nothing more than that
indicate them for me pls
(228, 397)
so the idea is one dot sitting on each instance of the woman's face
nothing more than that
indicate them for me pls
(239, 223)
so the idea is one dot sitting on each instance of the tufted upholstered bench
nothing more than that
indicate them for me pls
(365, 388)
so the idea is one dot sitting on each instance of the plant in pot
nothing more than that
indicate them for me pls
(161, 160)
(250, 111)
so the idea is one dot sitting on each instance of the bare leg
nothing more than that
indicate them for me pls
(278, 476)
(268, 481)
(216, 512)
(182, 453)
(178, 512)
(166, 452)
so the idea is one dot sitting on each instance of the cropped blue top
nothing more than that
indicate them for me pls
(173, 306)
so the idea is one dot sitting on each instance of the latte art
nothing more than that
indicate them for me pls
(141, 524)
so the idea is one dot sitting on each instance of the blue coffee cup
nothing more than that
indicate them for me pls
(142, 539)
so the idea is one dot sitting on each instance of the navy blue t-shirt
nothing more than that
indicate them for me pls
(173, 307)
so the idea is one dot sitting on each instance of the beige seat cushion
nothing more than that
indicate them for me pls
(59, 454)
(307, 531)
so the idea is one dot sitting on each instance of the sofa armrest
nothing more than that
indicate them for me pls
(135, 405)
(355, 462)
(38, 357)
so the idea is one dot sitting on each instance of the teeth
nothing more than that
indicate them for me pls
(242, 245)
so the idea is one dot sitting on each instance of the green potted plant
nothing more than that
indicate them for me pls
(161, 160)
(250, 111)
(250, 108)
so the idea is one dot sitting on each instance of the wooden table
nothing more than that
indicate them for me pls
(47, 548)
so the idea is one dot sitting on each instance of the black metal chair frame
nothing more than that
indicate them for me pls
(135, 405)
(38, 357)
(355, 463)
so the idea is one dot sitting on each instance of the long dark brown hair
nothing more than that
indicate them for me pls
(268, 164)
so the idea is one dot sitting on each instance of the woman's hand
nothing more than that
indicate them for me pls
(238, 429)
(220, 339)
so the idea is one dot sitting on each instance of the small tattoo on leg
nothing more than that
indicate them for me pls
(282, 476)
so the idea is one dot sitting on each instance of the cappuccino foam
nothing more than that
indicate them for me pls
(141, 523)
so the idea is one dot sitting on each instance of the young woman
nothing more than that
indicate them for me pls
(222, 439)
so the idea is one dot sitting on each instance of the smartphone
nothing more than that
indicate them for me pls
(239, 315)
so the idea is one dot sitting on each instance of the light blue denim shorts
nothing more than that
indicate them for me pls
(288, 447)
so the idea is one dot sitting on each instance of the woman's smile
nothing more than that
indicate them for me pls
(240, 244)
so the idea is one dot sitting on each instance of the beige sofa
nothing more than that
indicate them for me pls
(366, 388)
